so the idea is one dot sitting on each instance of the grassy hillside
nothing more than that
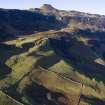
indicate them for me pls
(52, 66)
(51, 57)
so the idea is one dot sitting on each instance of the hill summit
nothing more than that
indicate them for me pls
(48, 7)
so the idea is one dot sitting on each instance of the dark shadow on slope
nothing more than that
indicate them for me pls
(6, 37)
(12, 91)
(37, 94)
(92, 101)
(34, 54)
(88, 33)
(6, 51)
(47, 61)
(24, 22)
(4, 70)
(88, 68)
(26, 46)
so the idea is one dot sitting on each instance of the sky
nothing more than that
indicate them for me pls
(88, 6)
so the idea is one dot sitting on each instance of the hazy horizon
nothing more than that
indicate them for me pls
(88, 6)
